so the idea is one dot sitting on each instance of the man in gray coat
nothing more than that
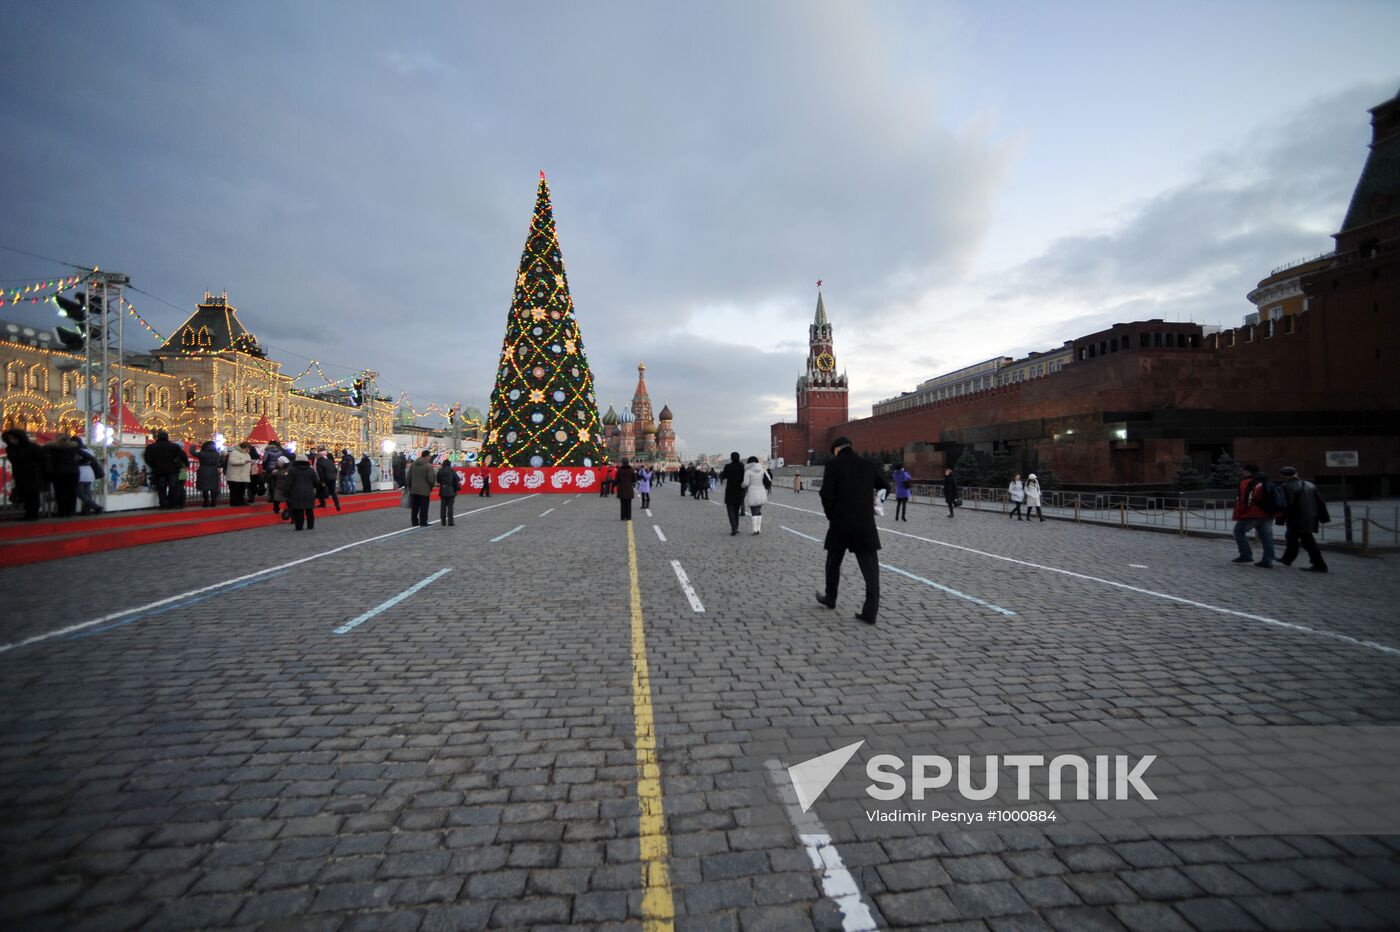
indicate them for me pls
(421, 479)
(848, 492)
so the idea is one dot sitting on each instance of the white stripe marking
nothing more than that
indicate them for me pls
(497, 540)
(657, 529)
(545, 512)
(837, 883)
(1137, 566)
(358, 620)
(229, 582)
(689, 590)
(927, 582)
(1289, 625)
(648, 511)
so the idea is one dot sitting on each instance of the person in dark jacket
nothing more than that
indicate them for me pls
(848, 489)
(301, 481)
(28, 467)
(365, 467)
(950, 490)
(683, 480)
(733, 479)
(62, 455)
(448, 483)
(485, 484)
(1306, 512)
(421, 479)
(347, 473)
(398, 464)
(326, 475)
(206, 480)
(624, 480)
(165, 459)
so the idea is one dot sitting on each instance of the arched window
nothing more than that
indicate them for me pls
(38, 380)
(164, 399)
(150, 396)
(205, 337)
(187, 337)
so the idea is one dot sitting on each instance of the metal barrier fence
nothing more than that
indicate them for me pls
(1358, 524)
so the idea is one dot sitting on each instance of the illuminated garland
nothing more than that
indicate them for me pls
(30, 292)
(543, 411)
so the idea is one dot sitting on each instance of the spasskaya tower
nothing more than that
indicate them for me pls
(821, 397)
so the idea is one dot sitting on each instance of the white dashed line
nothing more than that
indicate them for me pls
(237, 579)
(545, 512)
(498, 539)
(1264, 619)
(927, 582)
(837, 883)
(657, 529)
(689, 590)
(358, 620)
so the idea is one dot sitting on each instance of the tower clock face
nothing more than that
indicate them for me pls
(826, 362)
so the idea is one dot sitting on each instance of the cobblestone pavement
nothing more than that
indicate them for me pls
(467, 758)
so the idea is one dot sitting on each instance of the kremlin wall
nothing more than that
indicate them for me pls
(1313, 373)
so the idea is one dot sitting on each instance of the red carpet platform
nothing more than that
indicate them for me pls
(24, 542)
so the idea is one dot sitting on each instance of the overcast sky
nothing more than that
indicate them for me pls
(970, 180)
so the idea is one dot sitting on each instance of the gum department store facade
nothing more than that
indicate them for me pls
(210, 377)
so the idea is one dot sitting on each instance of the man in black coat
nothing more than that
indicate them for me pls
(165, 459)
(625, 483)
(1306, 511)
(364, 467)
(326, 475)
(28, 467)
(950, 490)
(848, 492)
(733, 479)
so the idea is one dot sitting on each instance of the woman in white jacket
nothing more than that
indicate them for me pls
(1033, 497)
(238, 471)
(1017, 492)
(756, 480)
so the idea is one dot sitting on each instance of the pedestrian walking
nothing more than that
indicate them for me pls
(365, 468)
(733, 478)
(950, 491)
(1033, 498)
(87, 475)
(166, 460)
(206, 480)
(29, 470)
(485, 484)
(1305, 514)
(301, 481)
(644, 478)
(756, 483)
(1253, 512)
(326, 476)
(903, 488)
(62, 455)
(797, 482)
(1017, 492)
(278, 481)
(421, 478)
(347, 472)
(238, 465)
(683, 480)
(848, 483)
(624, 481)
(448, 483)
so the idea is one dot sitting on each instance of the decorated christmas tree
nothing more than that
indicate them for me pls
(543, 412)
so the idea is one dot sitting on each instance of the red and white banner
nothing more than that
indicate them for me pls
(530, 480)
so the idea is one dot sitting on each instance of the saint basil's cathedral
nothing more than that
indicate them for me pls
(634, 436)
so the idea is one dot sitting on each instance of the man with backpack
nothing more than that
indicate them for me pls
(1256, 505)
(1306, 510)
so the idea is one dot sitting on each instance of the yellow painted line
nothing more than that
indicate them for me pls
(658, 907)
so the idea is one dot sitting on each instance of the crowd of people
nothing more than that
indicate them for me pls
(64, 468)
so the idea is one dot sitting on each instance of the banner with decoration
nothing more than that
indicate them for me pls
(526, 480)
